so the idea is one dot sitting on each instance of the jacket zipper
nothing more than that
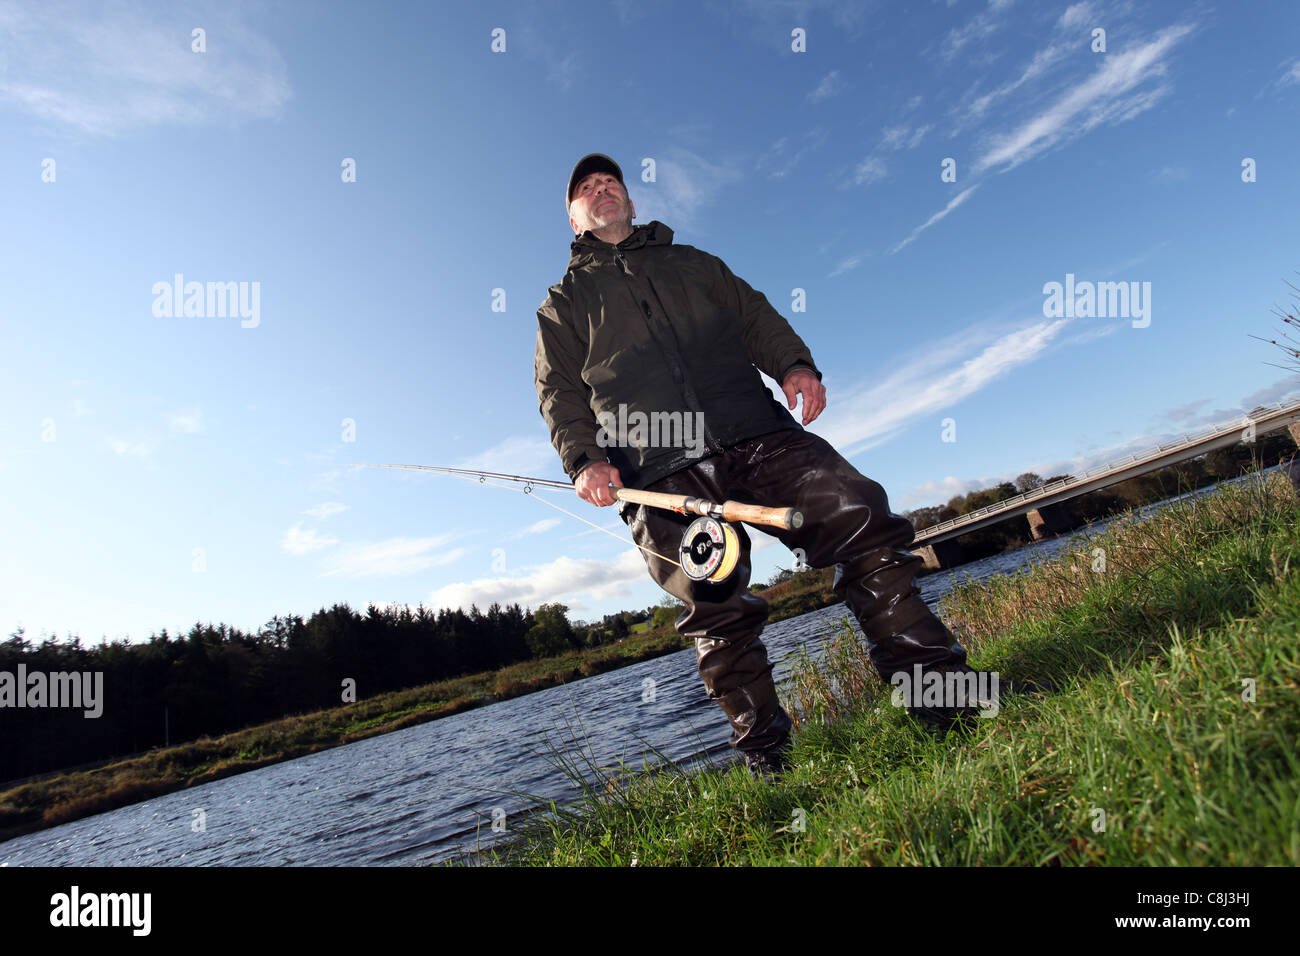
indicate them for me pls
(689, 398)
(688, 393)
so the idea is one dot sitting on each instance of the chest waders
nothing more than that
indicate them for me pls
(846, 523)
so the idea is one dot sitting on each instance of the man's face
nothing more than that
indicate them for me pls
(599, 200)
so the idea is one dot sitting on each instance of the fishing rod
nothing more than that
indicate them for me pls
(710, 547)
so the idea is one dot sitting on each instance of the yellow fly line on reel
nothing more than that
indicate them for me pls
(710, 550)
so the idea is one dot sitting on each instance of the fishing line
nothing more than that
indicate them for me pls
(710, 548)
(528, 489)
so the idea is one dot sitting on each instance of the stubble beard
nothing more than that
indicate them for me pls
(618, 214)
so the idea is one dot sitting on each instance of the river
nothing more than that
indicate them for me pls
(430, 793)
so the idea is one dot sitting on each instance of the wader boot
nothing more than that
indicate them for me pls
(738, 676)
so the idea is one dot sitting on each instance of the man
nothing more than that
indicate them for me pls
(639, 324)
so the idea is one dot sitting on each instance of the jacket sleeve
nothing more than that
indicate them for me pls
(772, 344)
(562, 395)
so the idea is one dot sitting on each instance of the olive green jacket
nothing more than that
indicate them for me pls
(663, 336)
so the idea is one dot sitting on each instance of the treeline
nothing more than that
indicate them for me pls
(1220, 465)
(217, 678)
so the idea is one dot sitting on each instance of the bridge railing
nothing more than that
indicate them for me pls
(1042, 491)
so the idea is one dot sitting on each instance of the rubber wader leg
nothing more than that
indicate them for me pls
(724, 620)
(847, 522)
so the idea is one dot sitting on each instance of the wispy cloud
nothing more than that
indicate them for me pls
(938, 492)
(391, 558)
(873, 167)
(183, 421)
(1109, 95)
(1287, 387)
(545, 46)
(768, 22)
(686, 184)
(298, 542)
(1093, 333)
(1290, 74)
(1186, 412)
(871, 414)
(982, 25)
(133, 449)
(1185, 418)
(973, 109)
(1123, 86)
(785, 154)
(186, 421)
(563, 71)
(106, 70)
(1119, 267)
(1078, 15)
(326, 510)
(327, 482)
(537, 527)
(1045, 74)
(953, 203)
(831, 85)
(561, 580)
(902, 137)
(516, 455)
(870, 170)
(852, 262)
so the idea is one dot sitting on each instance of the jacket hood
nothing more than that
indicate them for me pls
(589, 247)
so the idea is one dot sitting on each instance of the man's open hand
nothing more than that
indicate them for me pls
(594, 481)
(804, 382)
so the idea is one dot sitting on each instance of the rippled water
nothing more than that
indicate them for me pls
(428, 793)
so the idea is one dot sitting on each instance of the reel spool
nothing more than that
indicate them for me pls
(710, 550)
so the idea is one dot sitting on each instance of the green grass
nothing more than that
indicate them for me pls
(1148, 731)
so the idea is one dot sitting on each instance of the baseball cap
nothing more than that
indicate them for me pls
(591, 163)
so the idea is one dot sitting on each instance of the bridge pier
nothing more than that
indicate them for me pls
(942, 554)
(1047, 521)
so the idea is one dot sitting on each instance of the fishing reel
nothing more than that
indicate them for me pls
(710, 550)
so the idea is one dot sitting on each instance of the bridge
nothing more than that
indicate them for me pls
(937, 544)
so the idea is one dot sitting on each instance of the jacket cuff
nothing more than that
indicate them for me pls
(582, 461)
(809, 366)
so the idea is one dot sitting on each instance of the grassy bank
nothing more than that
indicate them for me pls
(58, 798)
(1155, 634)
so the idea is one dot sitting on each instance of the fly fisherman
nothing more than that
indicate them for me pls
(641, 325)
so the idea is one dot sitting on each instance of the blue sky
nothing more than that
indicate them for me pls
(157, 469)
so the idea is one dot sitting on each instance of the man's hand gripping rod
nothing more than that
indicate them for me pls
(786, 518)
